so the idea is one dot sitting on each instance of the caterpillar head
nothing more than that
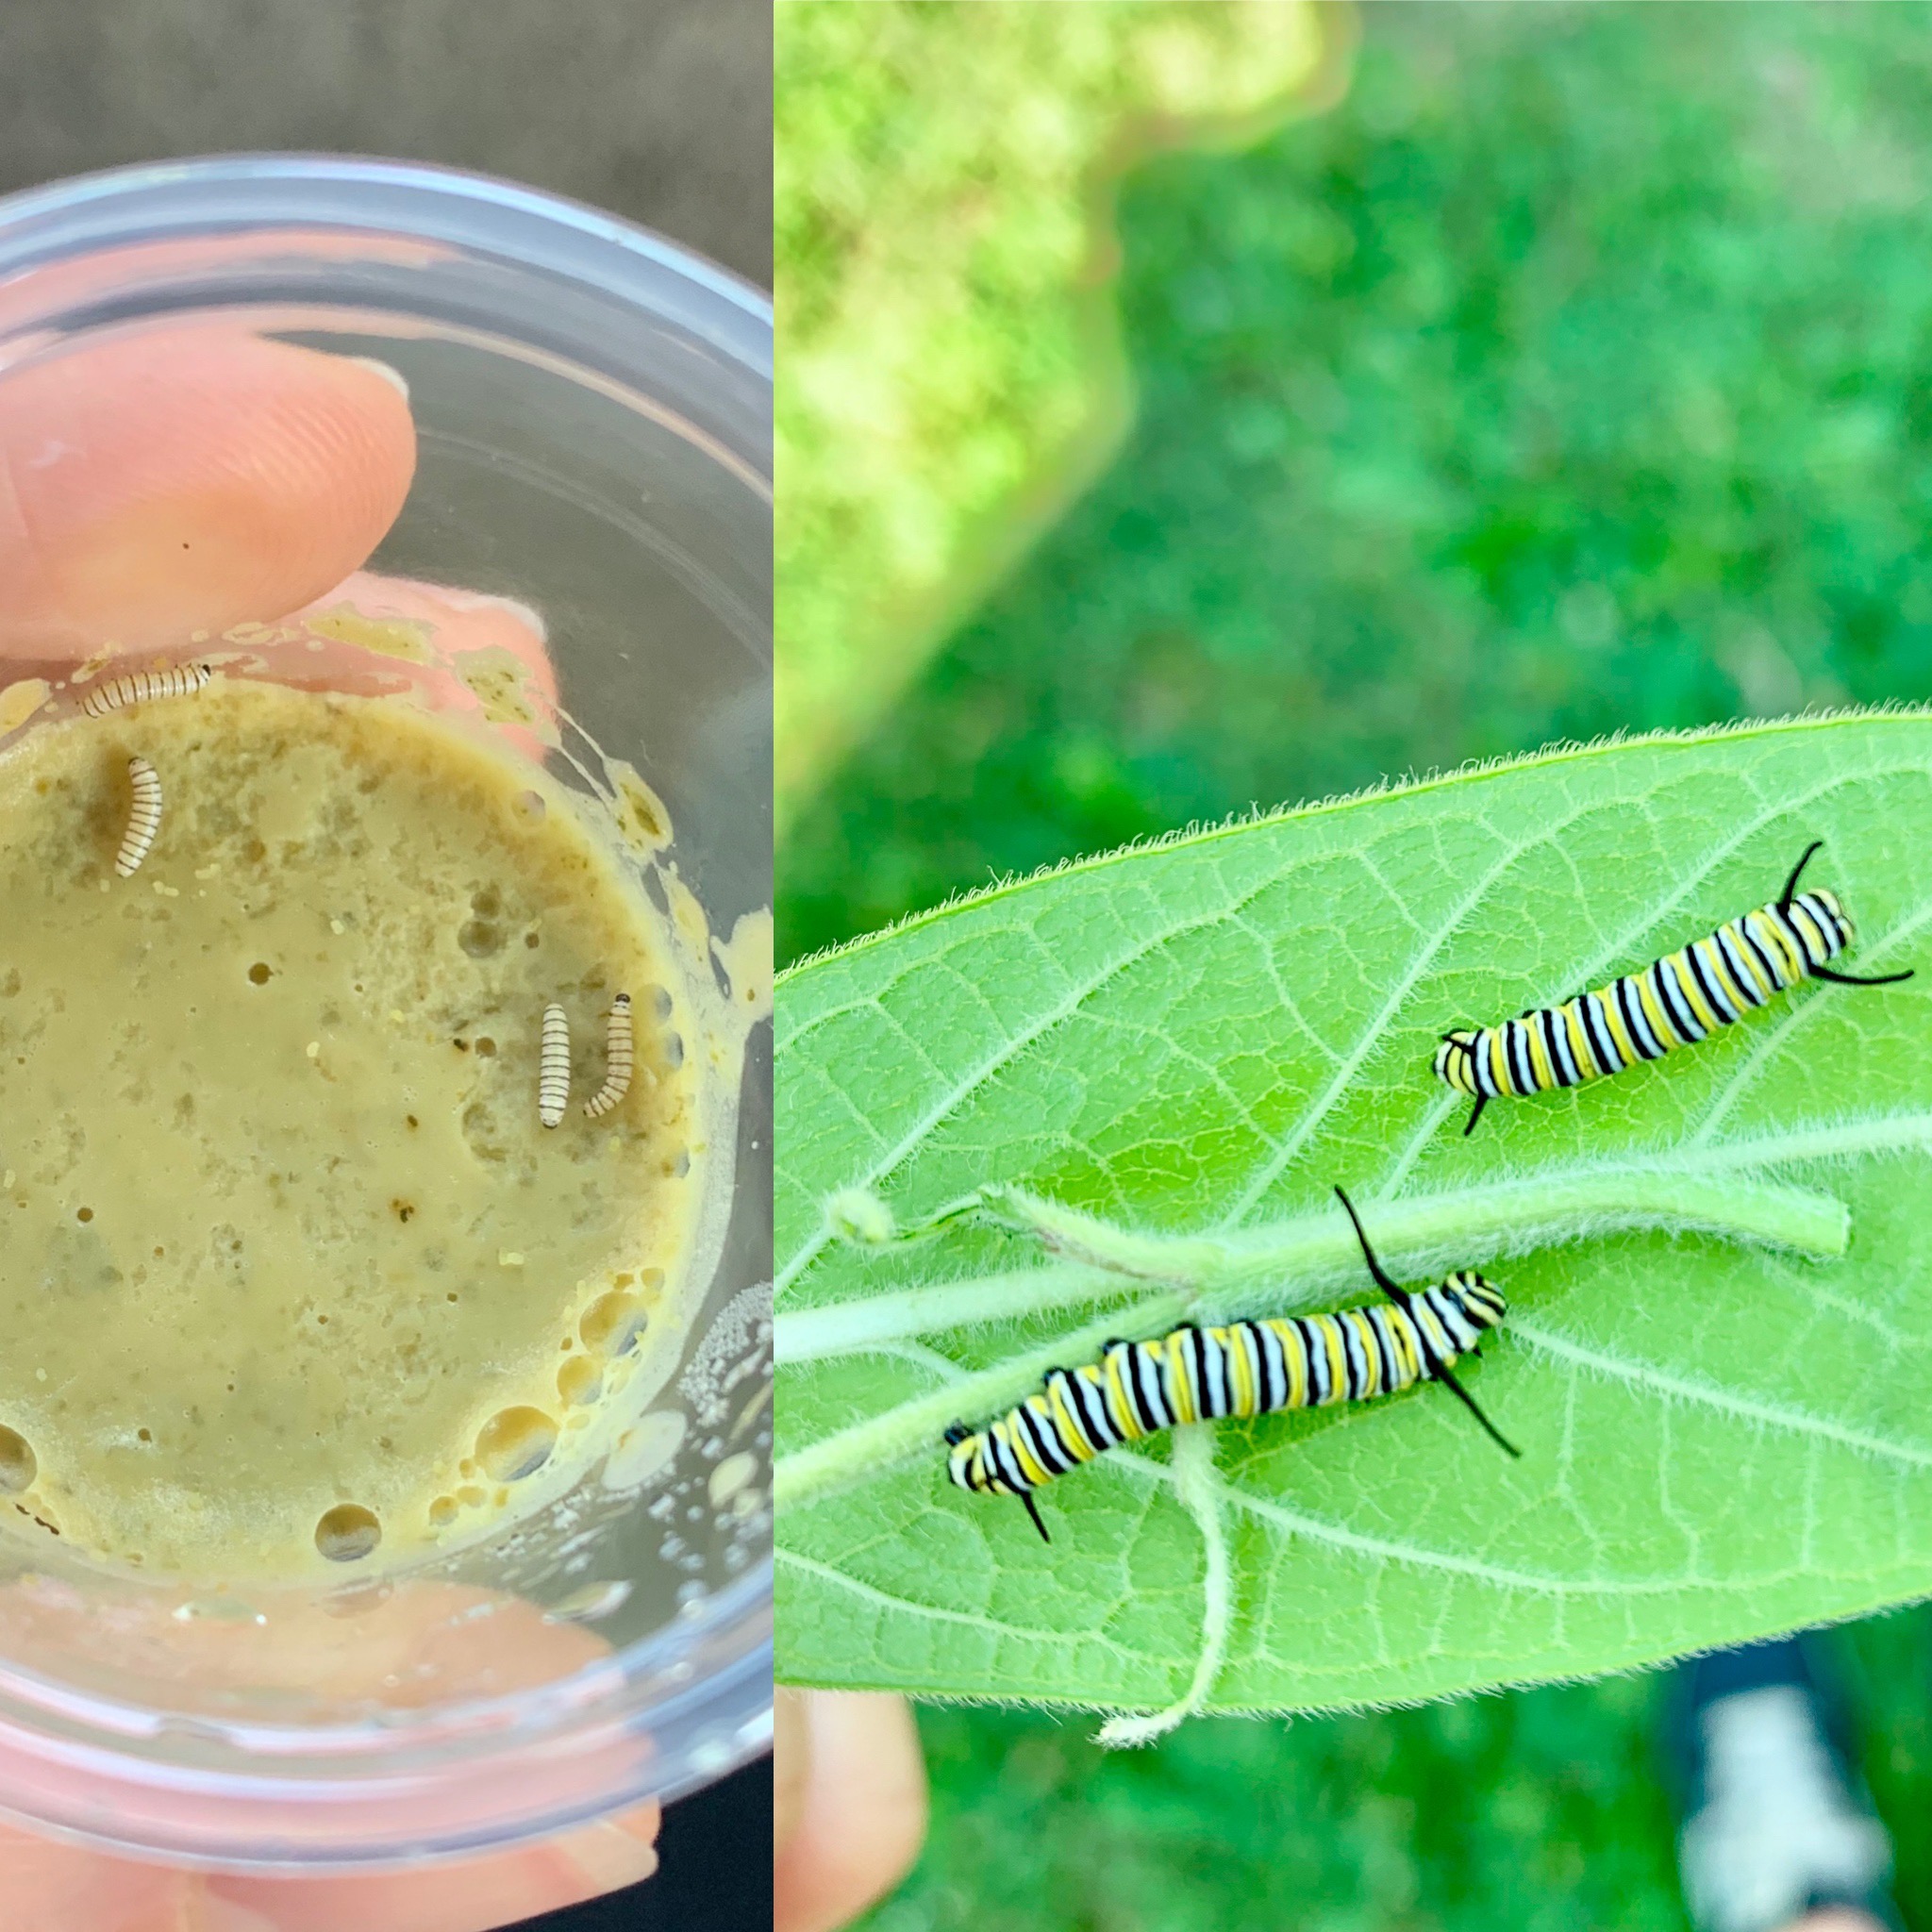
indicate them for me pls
(1483, 1302)
(1835, 917)
(965, 1465)
(1453, 1058)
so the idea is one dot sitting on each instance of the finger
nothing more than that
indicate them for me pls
(474, 1896)
(186, 479)
(791, 1764)
(49, 1886)
(466, 650)
(863, 1815)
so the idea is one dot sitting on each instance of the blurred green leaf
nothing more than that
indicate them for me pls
(951, 374)
(1195, 1042)
(1572, 375)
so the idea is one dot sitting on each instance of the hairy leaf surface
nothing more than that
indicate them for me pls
(1716, 1377)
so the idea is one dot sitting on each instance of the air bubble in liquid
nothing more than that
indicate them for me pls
(588, 1604)
(19, 1465)
(612, 1323)
(347, 1533)
(579, 1381)
(516, 1442)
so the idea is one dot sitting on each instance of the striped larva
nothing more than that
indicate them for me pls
(622, 1058)
(553, 1082)
(182, 681)
(144, 819)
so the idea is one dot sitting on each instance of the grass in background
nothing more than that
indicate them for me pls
(951, 372)
(1574, 374)
(1540, 1812)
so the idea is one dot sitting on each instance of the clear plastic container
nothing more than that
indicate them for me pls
(594, 413)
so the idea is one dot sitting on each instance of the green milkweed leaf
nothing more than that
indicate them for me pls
(1122, 1095)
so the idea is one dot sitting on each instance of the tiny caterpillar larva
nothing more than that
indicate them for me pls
(144, 821)
(183, 681)
(553, 1084)
(622, 1058)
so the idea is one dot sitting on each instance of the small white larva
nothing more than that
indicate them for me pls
(183, 681)
(622, 1058)
(144, 821)
(553, 1083)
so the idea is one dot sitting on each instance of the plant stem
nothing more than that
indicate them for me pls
(918, 1425)
(1290, 1265)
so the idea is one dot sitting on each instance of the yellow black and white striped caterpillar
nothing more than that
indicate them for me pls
(621, 1060)
(143, 818)
(142, 686)
(1246, 1369)
(553, 1078)
(1676, 1000)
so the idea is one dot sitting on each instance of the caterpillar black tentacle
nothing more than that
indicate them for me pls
(1673, 1001)
(1246, 1369)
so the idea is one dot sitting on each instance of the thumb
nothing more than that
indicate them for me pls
(850, 1786)
(186, 479)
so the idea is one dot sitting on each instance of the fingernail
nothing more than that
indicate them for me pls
(217, 1914)
(610, 1856)
(392, 376)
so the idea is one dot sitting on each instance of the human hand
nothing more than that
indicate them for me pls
(851, 1805)
(185, 480)
(463, 1643)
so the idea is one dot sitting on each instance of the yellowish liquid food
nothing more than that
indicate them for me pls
(290, 1274)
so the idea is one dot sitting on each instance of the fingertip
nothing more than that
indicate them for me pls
(189, 479)
(388, 373)
(616, 1852)
(864, 1815)
(791, 1764)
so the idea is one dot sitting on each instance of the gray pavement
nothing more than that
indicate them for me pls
(658, 110)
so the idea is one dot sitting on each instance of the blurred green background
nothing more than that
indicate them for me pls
(1568, 370)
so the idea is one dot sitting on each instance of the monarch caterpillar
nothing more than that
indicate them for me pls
(1246, 1369)
(183, 681)
(143, 819)
(1683, 997)
(553, 1080)
(620, 1057)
